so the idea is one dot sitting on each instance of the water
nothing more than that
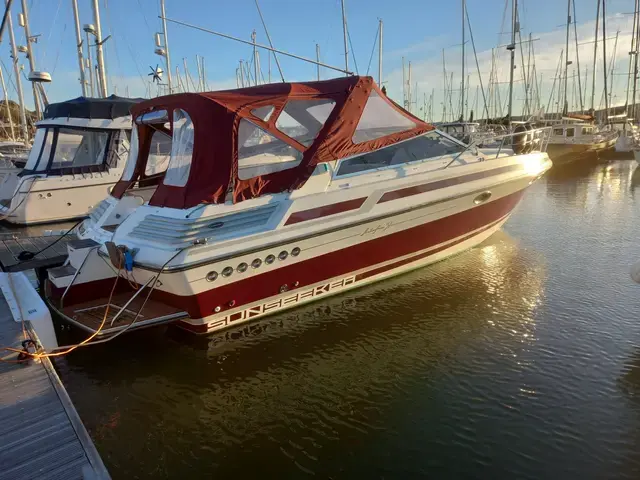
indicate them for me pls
(517, 359)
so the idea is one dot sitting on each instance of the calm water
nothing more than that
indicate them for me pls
(518, 359)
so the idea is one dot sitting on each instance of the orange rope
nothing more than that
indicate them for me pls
(72, 348)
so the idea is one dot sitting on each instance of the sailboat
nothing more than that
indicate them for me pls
(575, 136)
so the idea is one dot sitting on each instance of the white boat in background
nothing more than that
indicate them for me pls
(275, 196)
(78, 154)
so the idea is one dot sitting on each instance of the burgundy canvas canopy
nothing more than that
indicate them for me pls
(217, 116)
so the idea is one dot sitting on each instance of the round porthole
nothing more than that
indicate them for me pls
(211, 276)
(295, 252)
(283, 255)
(227, 271)
(242, 267)
(256, 263)
(270, 259)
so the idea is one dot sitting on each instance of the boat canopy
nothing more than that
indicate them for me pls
(260, 140)
(96, 108)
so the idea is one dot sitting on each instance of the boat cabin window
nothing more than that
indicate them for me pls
(570, 132)
(379, 119)
(159, 154)
(303, 119)
(181, 150)
(587, 130)
(80, 148)
(558, 131)
(426, 146)
(260, 153)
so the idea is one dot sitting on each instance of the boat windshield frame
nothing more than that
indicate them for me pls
(44, 163)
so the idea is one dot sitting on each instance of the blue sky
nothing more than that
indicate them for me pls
(418, 30)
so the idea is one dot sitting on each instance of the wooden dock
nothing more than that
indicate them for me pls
(12, 246)
(41, 434)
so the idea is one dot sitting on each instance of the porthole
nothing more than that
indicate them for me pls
(242, 267)
(227, 271)
(295, 252)
(283, 255)
(211, 276)
(270, 259)
(256, 263)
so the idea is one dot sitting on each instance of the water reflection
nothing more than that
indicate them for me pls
(288, 392)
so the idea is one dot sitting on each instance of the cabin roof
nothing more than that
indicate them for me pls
(94, 108)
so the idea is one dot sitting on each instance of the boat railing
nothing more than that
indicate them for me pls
(522, 142)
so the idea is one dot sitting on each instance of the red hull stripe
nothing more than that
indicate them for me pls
(448, 182)
(335, 264)
(325, 211)
(406, 261)
(344, 261)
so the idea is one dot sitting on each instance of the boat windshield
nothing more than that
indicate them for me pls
(58, 148)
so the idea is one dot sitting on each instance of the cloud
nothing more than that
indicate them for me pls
(427, 75)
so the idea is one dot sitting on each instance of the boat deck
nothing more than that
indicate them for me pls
(41, 434)
(89, 315)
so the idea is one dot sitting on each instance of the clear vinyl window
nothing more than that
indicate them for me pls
(159, 154)
(380, 119)
(302, 120)
(260, 153)
(181, 150)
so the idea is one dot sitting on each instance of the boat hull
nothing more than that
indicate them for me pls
(56, 199)
(563, 153)
(328, 263)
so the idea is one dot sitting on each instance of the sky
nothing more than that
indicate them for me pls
(416, 30)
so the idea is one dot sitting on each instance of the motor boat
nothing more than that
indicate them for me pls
(573, 140)
(274, 196)
(78, 154)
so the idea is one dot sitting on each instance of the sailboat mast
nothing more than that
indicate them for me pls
(6, 104)
(462, 85)
(380, 54)
(575, 34)
(167, 56)
(635, 59)
(344, 35)
(102, 84)
(76, 21)
(16, 71)
(512, 48)
(32, 60)
(595, 58)
(567, 62)
(604, 60)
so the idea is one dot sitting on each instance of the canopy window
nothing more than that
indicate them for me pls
(302, 120)
(380, 119)
(159, 154)
(260, 153)
(181, 150)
